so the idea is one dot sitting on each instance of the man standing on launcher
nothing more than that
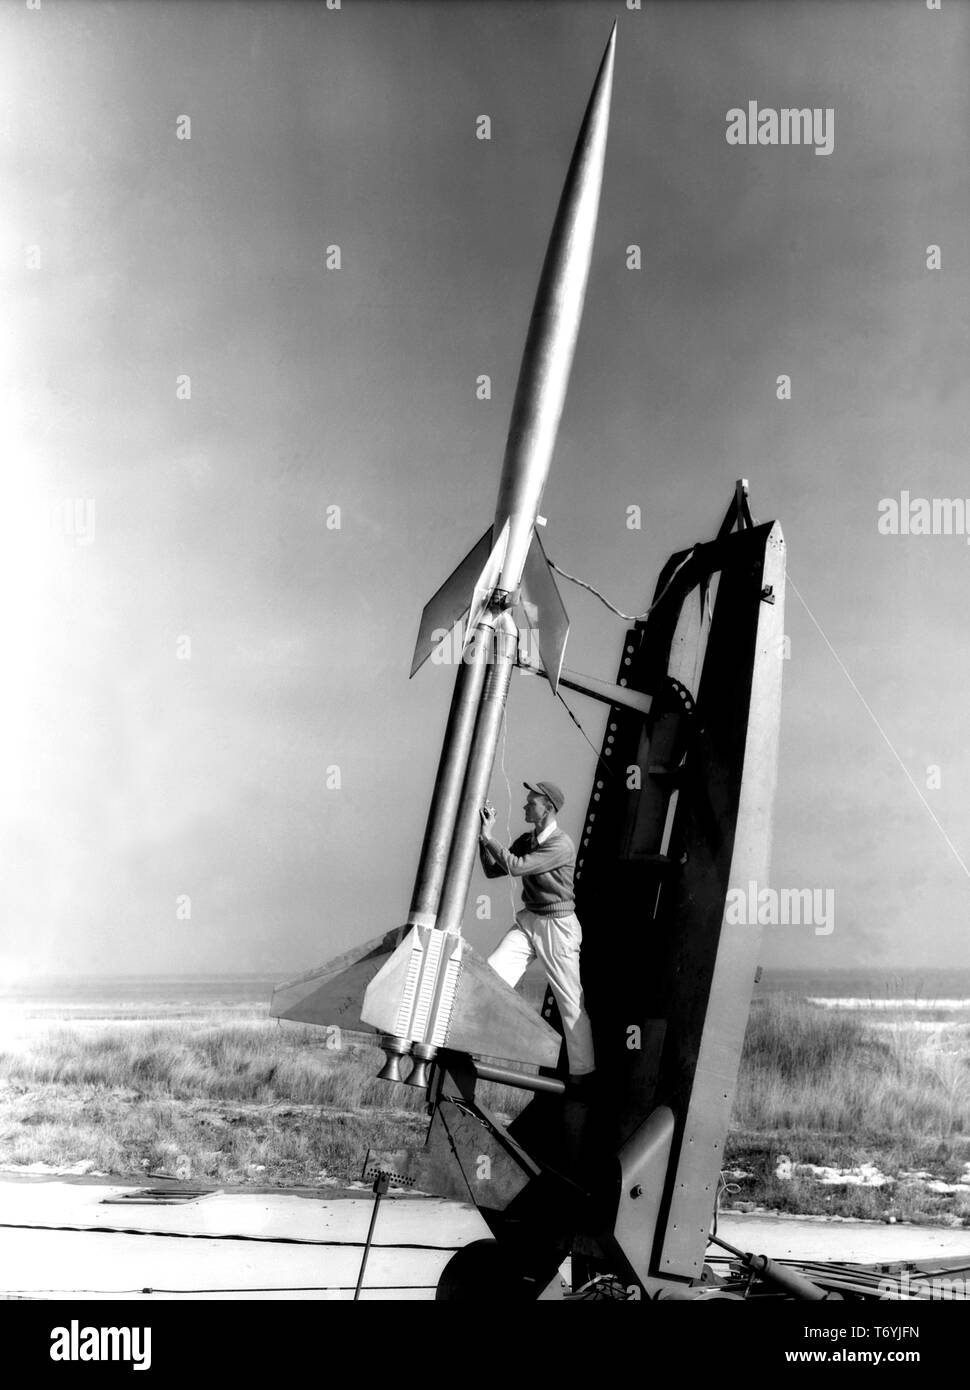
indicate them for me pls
(547, 925)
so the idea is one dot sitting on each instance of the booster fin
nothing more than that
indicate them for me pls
(541, 610)
(451, 601)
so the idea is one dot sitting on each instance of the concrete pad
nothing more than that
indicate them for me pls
(222, 1245)
(426, 1221)
(96, 1265)
(853, 1242)
(62, 1239)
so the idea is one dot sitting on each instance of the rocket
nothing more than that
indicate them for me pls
(421, 985)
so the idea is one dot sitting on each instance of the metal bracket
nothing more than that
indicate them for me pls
(597, 689)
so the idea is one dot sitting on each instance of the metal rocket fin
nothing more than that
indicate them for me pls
(466, 590)
(490, 1019)
(451, 601)
(332, 994)
(487, 581)
(542, 612)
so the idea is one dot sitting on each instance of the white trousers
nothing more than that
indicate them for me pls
(556, 942)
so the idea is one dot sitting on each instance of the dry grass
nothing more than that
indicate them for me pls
(809, 1068)
(249, 1100)
(835, 1089)
(257, 1061)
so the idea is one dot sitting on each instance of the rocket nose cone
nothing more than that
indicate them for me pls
(610, 48)
(599, 99)
(553, 328)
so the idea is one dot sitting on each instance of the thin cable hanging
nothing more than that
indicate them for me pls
(599, 756)
(627, 617)
(508, 819)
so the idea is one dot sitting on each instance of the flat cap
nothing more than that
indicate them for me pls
(549, 790)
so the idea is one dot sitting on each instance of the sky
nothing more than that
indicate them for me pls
(189, 391)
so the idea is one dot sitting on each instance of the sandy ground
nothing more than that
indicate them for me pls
(99, 1240)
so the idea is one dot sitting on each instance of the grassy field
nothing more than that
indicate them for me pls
(247, 1101)
(884, 1108)
(870, 1099)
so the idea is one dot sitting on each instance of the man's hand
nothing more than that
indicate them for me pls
(487, 814)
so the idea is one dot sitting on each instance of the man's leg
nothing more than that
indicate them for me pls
(558, 941)
(514, 953)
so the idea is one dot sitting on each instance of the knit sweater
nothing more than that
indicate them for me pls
(546, 870)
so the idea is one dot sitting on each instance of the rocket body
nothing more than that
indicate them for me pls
(421, 996)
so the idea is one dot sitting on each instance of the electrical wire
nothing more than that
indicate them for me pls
(508, 818)
(456, 1156)
(885, 737)
(601, 1286)
(239, 1288)
(599, 757)
(627, 617)
(722, 1186)
(214, 1235)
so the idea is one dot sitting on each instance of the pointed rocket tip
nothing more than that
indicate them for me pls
(603, 85)
(609, 52)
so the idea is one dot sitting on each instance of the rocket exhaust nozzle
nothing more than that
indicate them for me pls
(423, 1054)
(394, 1049)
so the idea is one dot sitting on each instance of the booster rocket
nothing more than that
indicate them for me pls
(422, 985)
